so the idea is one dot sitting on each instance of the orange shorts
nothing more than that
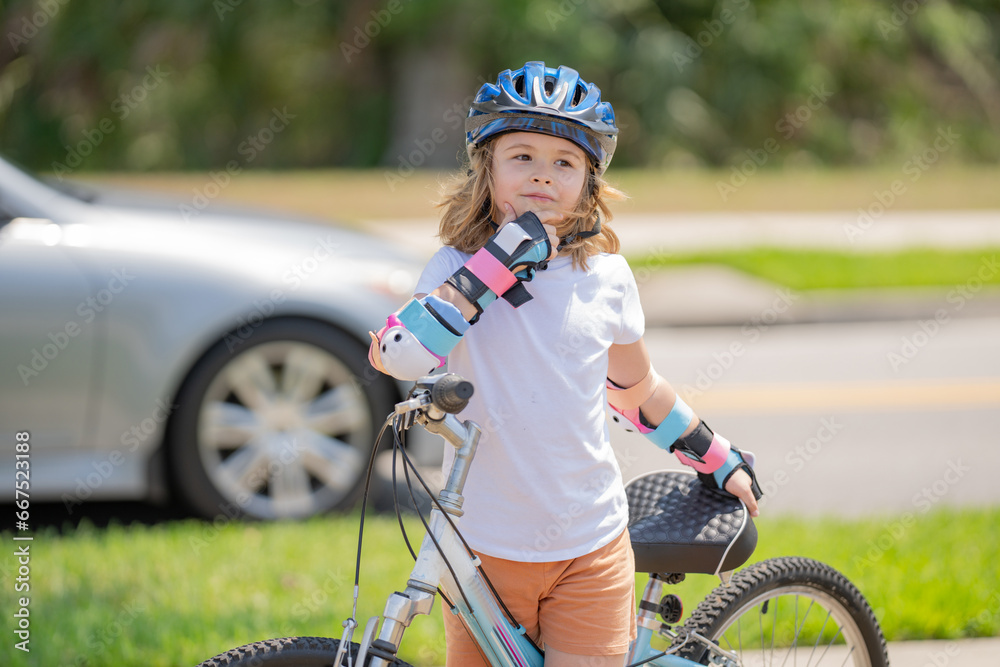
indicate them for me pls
(581, 606)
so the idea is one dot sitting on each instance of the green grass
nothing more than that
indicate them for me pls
(180, 592)
(801, 269)
(927, 576)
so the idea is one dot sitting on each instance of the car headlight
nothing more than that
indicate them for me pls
(392, 280)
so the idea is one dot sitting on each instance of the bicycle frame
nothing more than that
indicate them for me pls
(669, 512)
(647, 626)
(444, 562)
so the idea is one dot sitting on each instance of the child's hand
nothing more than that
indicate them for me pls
(547, 218)
(739, 486)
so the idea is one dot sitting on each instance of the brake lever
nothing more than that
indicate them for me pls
(407, 411)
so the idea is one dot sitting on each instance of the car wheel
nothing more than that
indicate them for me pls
(280, 425)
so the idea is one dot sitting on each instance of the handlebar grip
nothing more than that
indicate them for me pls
(451, 393)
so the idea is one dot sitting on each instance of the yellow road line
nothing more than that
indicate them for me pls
(939, 394)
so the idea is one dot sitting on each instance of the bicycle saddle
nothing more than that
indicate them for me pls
(679, 526)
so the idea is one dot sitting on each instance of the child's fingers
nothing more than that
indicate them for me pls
(740, 486)
(549, 218)
(374, 357)
(509, 214)
(553, 240)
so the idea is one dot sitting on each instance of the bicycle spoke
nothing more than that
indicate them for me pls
(798, 630)
(774, 624)
(812, 603)
(795, 637)
(739, 630)
(818, 637)
(839, 630)
(784, 642)
(760, 626)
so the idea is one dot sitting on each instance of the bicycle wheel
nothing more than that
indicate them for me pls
(286, 652)
(789, 607)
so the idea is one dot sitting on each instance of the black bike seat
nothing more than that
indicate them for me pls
(678, 526)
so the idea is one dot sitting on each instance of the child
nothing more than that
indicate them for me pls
(545, 506)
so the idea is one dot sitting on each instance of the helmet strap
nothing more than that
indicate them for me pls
(566, 240)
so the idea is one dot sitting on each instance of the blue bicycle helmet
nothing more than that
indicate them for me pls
(557, 102)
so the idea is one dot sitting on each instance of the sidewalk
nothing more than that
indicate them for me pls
(719, 296)
(983, 652)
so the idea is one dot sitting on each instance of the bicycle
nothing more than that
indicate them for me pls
(760, 615)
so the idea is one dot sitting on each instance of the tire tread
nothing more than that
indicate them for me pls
(285, 652)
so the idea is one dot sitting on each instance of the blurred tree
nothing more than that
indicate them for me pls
(249, 83)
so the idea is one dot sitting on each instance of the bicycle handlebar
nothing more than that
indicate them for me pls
(451, 393)
(436, 396)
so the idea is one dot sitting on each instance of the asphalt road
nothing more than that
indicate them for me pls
(845, 418)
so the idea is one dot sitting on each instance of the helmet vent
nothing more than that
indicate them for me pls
(546, 100)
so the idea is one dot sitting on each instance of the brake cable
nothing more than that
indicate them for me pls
(364, 506)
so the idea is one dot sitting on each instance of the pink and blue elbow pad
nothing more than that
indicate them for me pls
(418, 339)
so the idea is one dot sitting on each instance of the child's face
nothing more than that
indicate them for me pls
(538, 173)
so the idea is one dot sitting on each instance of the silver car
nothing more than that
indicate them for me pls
(219, 359)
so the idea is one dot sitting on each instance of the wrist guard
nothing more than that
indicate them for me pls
(714, 458)
(419, 338)
(522, 243)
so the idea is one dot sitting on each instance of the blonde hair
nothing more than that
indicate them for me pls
(469, 208)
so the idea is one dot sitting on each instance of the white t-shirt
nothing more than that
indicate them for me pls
(545, 485)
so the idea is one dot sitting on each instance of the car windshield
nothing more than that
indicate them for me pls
(70, 188)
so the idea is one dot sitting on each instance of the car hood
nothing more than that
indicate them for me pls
(263, 248)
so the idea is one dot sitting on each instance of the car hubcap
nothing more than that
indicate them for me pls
(283, 431)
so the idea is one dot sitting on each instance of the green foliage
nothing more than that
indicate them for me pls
(191, 84)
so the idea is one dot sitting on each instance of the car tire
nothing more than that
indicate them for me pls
(278, 424)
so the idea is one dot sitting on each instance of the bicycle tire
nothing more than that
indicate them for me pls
(753, 590)
(286, 652)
